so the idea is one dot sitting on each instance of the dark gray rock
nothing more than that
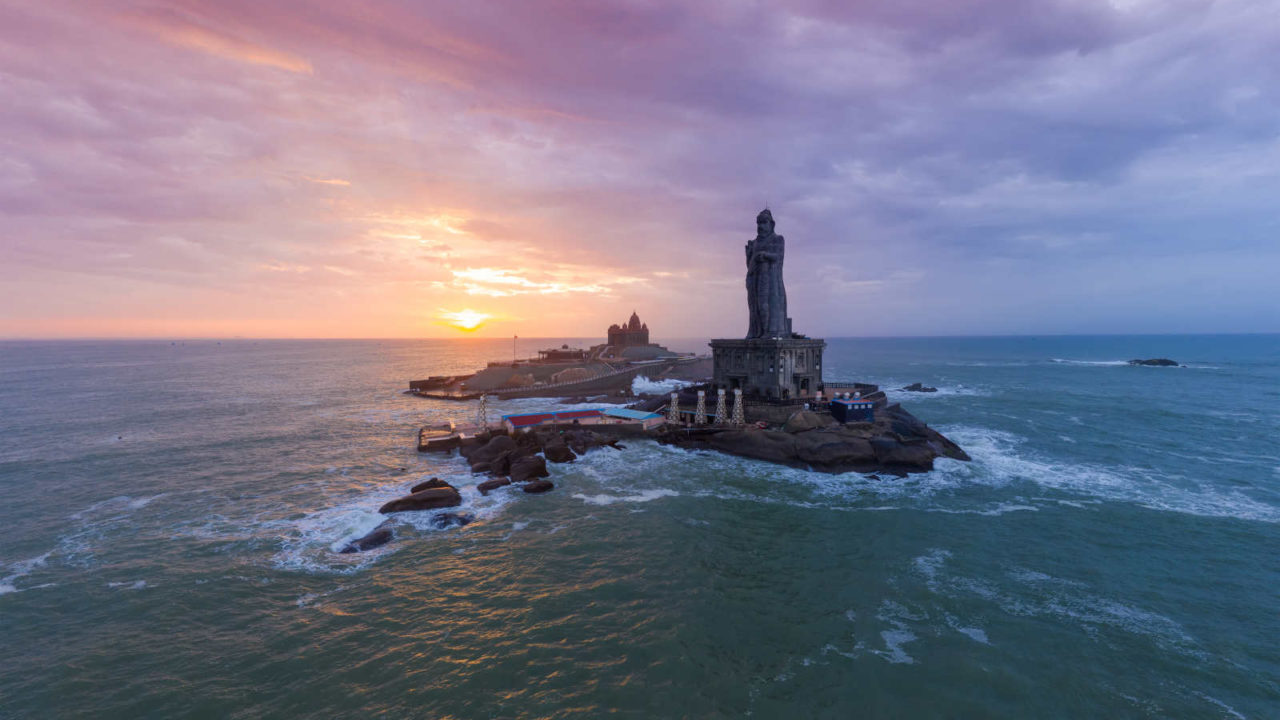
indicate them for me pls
(490, 450)
(917, 387)
(771, 445)
(538, 486)
(432, 483)
(895, 454)
(493, 484)
(529, 468)
(1155, 362)
(897, 442)
(581, 440)
(449, 519)
(501, 465)
(432, 499)
(377, 537)
(558, 451)
(834, 451)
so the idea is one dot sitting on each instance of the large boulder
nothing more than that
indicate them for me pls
(803, 420)
(581, 440)
(835, 451)
(904, 423)
(557, 450)
(538, 486)
(528, 468)
(376, 537)
(432, 483)
(771, 445)
(431, 499)
(501, 465)
(912, 455)
(493, 484)
(942, 445)
(487, 453)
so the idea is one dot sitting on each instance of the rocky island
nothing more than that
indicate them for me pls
(1155, 362)
(782, 412)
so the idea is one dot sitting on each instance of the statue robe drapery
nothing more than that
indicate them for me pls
(766, 293)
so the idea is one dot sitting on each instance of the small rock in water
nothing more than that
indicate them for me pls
(917, 387)
(423, 500)
(538, 486)
(1155, 362)
(432, 483)
(449, 519)
(378, 537)
(492, 484)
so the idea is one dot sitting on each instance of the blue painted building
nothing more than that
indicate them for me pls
(853, 410)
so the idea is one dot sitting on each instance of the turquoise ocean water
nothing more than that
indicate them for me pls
(170, 513)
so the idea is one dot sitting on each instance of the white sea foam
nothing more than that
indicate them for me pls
(1097, 363)
(896, 394)
(999, 459)
(312, 599)
(643, 496)
(21, 569)
(312, 542)
(118, 505)
(1230, 711)
(1038, 594)
(135, 585)
(976, 634)
(897, 616)
(641, 385)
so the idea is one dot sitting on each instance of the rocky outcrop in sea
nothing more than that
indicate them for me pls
(897, 442)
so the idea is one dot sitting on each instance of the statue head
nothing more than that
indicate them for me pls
(764, 223)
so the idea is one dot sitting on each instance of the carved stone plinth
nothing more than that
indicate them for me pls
(775, 368)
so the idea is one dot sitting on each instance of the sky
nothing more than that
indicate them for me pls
(432, 169)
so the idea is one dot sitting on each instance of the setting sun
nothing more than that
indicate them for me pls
(465, 320)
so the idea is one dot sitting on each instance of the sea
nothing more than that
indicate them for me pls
(171, 512)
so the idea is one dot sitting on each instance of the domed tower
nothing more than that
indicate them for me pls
(629, 334)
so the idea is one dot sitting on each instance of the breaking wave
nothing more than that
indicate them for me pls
(20, 569)
(642, 385)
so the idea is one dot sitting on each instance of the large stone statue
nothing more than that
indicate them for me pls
(766, 295)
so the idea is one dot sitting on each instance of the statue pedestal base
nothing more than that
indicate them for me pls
(773, 368)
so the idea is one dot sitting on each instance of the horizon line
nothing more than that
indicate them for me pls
(215, 338)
